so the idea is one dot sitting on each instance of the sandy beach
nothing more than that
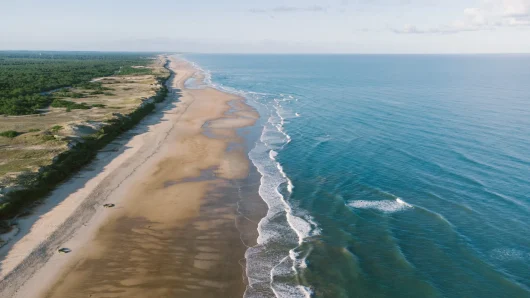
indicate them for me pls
(175, 182)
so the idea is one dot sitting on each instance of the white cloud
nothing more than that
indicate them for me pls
(283, 9)
(456, 27)
(492, 15)
(516, 8)
(475, 16)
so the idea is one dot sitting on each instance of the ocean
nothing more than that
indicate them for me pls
(387, 175)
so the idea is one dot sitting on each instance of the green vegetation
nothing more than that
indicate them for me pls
(9, 134)
(38, 184)
(163, 92)
(67, 163)
(66, 93)
(59, 103)
(128, 70)
(22, 105)
(92, 86)
(38, 161)
(56, 128)
(26, 78)
(48, 137)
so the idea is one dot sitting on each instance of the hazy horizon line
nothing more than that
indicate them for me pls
(266, 53)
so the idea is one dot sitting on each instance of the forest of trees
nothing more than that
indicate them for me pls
(26, 76)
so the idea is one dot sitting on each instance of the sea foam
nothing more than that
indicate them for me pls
(265, 264)
(386, 206)
(285, 262)
(509, 254)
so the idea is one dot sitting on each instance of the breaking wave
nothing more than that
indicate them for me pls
(274, 264)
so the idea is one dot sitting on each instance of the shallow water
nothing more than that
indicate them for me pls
(388, 176)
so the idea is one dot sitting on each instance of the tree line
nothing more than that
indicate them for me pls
(27, 77)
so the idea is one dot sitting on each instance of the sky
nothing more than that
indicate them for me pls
(272, 26)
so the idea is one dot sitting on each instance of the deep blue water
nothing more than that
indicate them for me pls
(388, 176)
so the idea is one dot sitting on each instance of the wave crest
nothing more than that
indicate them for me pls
(386, 206)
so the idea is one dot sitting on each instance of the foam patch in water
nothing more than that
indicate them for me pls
(386, 206)
(509, 254)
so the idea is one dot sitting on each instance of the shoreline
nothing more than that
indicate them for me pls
(68, 195)
(227, 166)
(75, 154)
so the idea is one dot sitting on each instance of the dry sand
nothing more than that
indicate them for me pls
(172, 232)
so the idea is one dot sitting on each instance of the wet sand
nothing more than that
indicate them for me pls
(176, 230)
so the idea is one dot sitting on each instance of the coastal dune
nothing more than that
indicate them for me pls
(172, 231)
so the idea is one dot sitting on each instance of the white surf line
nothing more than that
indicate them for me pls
(280, 126)
(291, 218)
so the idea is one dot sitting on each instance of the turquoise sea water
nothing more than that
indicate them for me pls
(388, 176)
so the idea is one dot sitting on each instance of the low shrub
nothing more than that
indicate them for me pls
(60, 103)
(56, 128)
(9, 134)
